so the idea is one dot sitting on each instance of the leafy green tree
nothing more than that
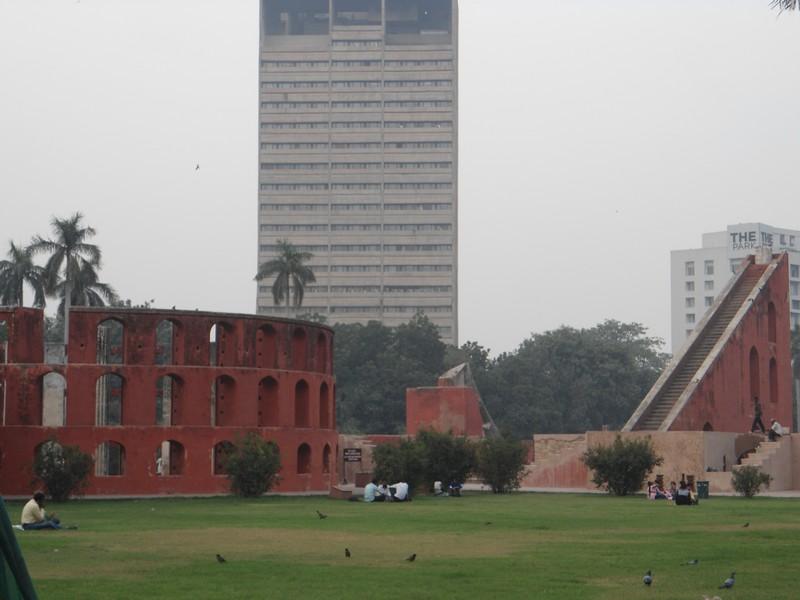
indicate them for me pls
(622, 466)
(290, 272)
(252, 466)
(747, 480)
(571, 380)
(402, 462)
(375, 365)
(16, 272)
(62, 470)
(445, 457)
(501, 463)
(73, 262)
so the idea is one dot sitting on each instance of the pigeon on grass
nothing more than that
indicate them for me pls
(728, 583)
(648, 578)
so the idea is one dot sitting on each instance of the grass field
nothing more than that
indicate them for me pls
(479, 546)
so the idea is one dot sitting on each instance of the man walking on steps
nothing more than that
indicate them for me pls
(757, 422)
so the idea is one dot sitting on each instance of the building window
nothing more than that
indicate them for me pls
(355, 268)
(690, 286)
(689, 332)
(708, 284)
(795, 271)
(418, 124)
(419, 206)
(791, 240)
(709, 267)
(689, 302)
(355, 289)
(689, 268)
(690, 318)
(795, 286)
(709, 301)
(295, 207)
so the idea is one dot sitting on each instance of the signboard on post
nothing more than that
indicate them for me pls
(352, 455)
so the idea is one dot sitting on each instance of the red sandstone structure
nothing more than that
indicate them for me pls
(453, 405)
(157, 396)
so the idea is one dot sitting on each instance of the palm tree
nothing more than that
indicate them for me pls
(16, 272)
(71, 257)
(783, 5)
(289, 272)
(86, 290)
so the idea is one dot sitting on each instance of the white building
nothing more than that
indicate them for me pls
(358, 153)
(698, 275)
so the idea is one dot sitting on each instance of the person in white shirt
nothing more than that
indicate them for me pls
(400, 491)
(775, 431)
(371, 491)
(34, 516)
(383, 495)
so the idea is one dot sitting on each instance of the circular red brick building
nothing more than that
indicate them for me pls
(157, 396)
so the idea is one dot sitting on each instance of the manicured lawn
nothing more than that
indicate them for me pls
(479, 546)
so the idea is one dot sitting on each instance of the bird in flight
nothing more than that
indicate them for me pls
(347, 552)
(322, 515)
(221, 559)
(728, 583)
(197, 168)
(412, 558)
(648, 578)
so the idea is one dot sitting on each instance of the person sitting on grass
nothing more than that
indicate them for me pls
(454, 489)
(673, 490)
(651, 490)
(371, 492)
(400, 493)
(384, 493)
(685, 496)
(35, 517)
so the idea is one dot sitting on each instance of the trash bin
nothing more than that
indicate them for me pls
(702, 490)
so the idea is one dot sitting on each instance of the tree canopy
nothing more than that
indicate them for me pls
(290, 272)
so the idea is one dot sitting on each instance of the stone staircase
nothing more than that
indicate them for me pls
(773, 458)
(689, 363)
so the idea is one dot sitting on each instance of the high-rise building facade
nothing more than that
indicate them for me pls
(698, 275)
(358, 155)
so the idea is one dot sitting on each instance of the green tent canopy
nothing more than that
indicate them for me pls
(15, 583)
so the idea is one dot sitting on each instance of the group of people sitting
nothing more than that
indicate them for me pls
(682, 494)
(397, 492)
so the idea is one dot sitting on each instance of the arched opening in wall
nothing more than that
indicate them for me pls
(302, 412)
(708, 427)
(169, 389)
(3, 342)
(268, 403)
(324, 407)
(170, 458)
(266, 347)
(110, 342)
(219, 455)
(299, 349)
(754, 374)
(109, 460)
(322, 353)
(223, 401)
(50, 450)
(303, 459)
(221, 344)
(54, 400)
(333, 410)
(2, 402)
(326, 459)
(108, 400)
(167, 336)
(773, 380)
(772, 323)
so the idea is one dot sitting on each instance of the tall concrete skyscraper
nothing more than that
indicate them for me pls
(358, 155)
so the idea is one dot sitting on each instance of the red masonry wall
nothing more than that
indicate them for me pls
(453, 409)
(265, 369)
(724, 399)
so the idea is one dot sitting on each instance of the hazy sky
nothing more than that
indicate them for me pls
(594, 138)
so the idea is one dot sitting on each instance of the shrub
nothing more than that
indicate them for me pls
(623, 465)
(252, 466)
(445, 457)
(748, 480)
(403, 462)
(62, 470)
(501, 463)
